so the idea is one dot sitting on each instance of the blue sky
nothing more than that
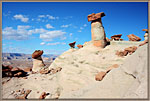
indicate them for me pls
(51, 26)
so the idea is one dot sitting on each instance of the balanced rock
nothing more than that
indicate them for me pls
(79, 46)
(72, 45)
(97, 30)
(38, 63)
(100, 76)
(133, 37)
(116, 37)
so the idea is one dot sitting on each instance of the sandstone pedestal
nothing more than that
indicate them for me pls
(97, 30)
(38, 63)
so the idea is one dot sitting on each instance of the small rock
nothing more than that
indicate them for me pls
(146, 41)
(28, 69)
(131, 49)
(43, 95)
(44, 71)
(116, 37)
(79, 46)
(100, 76)
(111, 67)
(24, 77)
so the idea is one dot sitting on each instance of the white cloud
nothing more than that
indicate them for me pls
(79, 30)
(52, 17)
(42, 43)
(65, 26)
(21, 17)
(49, 35)
(81, 27)
(38, 31)
(68, 17)
(70, 34)
(21, 33)
(41, 16)
(56, 43)
(63, 38)
(49, 26)
(84, 25)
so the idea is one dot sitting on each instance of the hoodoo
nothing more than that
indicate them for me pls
(38, 63)
(97, 29)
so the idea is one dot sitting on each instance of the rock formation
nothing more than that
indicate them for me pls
(43, 95)
(133, 37)
(38, 63)
(9, 71)
(72, 45)
(116, 37)
(97, 29)
(146, 34)
(79, 46)
(128, 50)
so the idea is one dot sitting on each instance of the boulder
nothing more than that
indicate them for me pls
(72, 45)
(131, 49)
(100, 76)
(79, 46)
(133, 37)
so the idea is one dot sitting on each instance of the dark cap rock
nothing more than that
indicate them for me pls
(145, 30)
(37, 53)
(96, 16)
(72, 45)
